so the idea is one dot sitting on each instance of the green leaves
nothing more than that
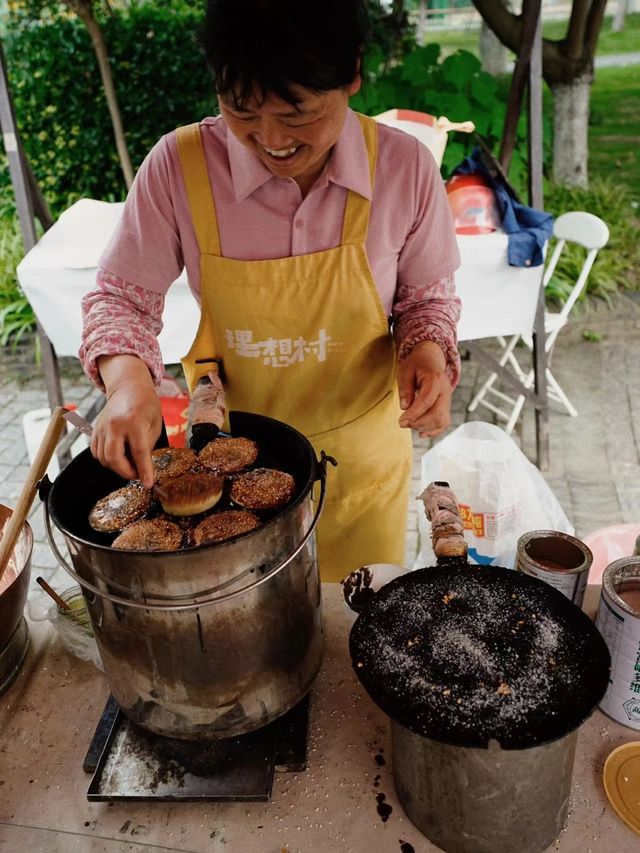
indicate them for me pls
(460, 68)
(456, 87)
(162, 82)
(16, 315)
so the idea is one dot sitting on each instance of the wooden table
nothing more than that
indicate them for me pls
(49, 715)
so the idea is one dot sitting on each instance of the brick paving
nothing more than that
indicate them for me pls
(595, 458)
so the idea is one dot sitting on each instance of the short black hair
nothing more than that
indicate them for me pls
(272, 45)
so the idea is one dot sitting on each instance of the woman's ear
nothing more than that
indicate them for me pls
(355, 84)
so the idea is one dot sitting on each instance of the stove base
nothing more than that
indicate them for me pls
(130, 763)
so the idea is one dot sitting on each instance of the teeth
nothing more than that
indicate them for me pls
(282, 152)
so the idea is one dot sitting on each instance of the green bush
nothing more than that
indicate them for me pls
(16, 315)
(160, 77)
(456, 87)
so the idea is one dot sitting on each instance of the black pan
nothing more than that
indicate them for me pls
(464, 654)
(84, 481)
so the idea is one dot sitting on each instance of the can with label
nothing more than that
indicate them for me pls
(618, 621)
(556, 558)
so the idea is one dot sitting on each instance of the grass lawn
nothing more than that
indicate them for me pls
(614, 127)
(625, 42)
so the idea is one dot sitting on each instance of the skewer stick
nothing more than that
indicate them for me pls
(53, 594)
(36, 473)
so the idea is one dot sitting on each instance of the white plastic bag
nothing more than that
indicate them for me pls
(500, 493)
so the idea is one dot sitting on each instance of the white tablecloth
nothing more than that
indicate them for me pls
(496, 299)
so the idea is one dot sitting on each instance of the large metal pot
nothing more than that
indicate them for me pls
(208, 642)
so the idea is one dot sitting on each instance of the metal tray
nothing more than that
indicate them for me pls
(134, 764)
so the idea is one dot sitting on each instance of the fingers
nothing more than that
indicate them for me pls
(424, 399)
(406, 378)
(126, 449)
(430, 411)
(114, 455)
(140, 451)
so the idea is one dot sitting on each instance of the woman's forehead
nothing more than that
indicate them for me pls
(257, 99)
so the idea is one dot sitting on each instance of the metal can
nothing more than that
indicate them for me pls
(618, 621)
(556, 558)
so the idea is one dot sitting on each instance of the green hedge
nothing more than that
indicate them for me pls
(61, 111)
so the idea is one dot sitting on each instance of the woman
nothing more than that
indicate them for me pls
(303, 227)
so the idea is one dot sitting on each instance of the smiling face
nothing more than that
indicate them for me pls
(293, 141)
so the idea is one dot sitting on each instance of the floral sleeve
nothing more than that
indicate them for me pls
(120, 318)
(429, 313)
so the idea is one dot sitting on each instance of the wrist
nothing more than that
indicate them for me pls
(122, 371)
(429, 353)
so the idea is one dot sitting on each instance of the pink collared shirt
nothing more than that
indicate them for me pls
(410, 244)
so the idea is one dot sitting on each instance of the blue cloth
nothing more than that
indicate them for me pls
(528, 229)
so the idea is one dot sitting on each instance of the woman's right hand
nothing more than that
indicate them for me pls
(130, 423)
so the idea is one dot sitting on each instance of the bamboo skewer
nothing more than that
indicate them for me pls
(53, 594)
(36, 473)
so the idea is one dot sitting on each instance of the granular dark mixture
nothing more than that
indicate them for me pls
(466, 654)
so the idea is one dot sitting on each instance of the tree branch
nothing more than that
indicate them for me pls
(594, 24)
(506, 25)
(84, 10)
(574, 41)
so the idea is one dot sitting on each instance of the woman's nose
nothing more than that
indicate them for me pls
(273, 134)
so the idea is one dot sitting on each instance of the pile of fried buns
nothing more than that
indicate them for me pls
(183, 509)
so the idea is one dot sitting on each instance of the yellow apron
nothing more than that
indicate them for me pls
(305, 340)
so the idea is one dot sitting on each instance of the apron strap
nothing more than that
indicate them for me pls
(356, 213)
(198, 186)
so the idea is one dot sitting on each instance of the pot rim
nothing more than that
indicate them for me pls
(200, 599)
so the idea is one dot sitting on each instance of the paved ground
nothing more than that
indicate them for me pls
(595, 458)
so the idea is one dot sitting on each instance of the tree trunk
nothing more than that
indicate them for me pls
(493, 53)
(84, 11)
(622, 7)
(570, 126)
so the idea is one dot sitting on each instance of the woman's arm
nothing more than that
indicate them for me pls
(120, 353)
(119, 318)
(425, 321)
(429, 313)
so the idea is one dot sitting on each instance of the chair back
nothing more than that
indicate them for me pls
(586, 230)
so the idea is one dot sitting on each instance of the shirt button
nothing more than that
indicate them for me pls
(527, 263)
(298, 223)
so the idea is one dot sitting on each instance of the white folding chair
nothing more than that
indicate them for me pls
(578, 227)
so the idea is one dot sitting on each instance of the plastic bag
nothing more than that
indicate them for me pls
(73, 627)
(500, 493)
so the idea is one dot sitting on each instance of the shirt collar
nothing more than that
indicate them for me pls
(348, 165)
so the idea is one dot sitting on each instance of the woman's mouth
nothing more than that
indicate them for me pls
(281, 153)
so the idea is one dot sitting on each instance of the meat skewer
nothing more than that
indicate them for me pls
(447, 529)
(208, 410)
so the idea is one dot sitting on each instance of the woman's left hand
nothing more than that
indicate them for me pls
(425, 390)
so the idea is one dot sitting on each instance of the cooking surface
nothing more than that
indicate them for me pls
(466, 654)
(85, 481)
(336, 806)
